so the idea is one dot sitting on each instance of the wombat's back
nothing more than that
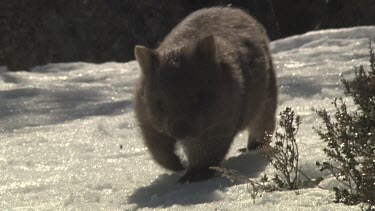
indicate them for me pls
(230, 24)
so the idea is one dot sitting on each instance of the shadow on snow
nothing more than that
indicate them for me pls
(25, 107)
(165, 191)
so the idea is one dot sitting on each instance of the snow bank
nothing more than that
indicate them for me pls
(69, 141)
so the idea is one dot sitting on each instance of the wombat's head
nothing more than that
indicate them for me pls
(180, 86)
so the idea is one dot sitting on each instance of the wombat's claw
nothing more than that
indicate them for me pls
(197, 175)
(243, 150)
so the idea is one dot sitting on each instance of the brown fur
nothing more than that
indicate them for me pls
(210, 78)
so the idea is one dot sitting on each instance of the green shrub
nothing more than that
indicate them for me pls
(284, 155)
(350, 138)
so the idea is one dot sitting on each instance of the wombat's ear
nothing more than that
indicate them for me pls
(206, 47)
(146, 59)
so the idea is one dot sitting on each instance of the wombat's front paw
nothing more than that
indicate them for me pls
(197, 175)
(176, 167)
(169, 161)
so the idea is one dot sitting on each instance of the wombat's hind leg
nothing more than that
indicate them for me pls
(253, 144)
(162, 148)
(261, 133)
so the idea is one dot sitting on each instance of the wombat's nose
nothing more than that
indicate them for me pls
(181, 129)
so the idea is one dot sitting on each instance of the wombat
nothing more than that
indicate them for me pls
(210, 78)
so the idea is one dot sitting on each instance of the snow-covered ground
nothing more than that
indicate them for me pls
(69, 140)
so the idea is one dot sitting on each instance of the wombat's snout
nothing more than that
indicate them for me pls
(181, 129)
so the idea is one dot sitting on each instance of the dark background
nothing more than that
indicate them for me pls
(35, 32)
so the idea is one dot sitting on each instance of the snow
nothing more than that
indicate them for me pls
(69, 140)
